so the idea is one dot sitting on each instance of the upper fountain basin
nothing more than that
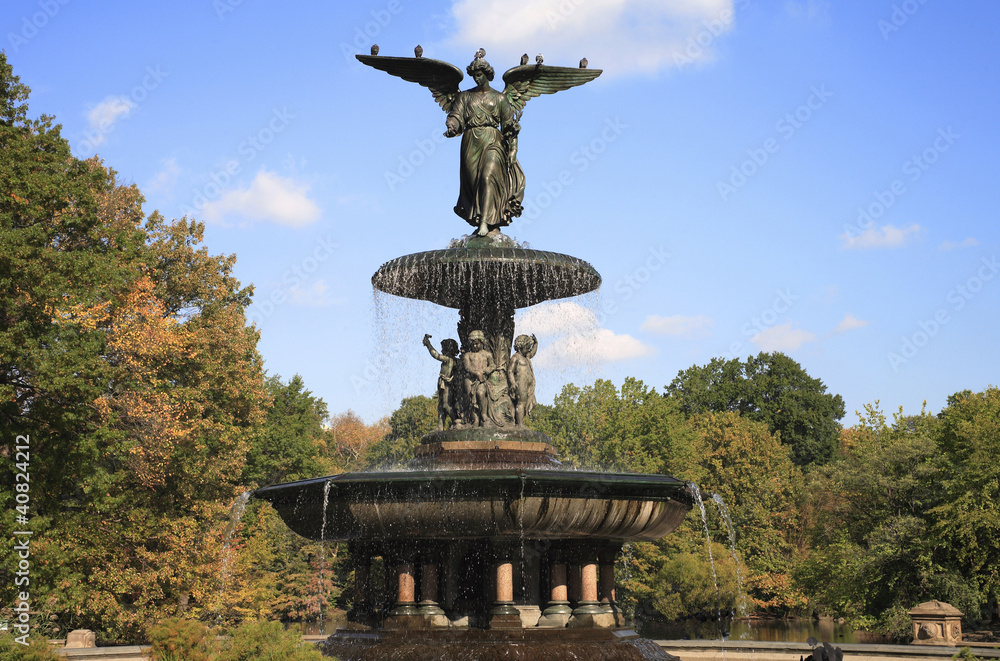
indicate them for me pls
(481, 270)
(462, 504)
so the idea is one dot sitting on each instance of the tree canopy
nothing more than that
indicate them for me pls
(770, 388)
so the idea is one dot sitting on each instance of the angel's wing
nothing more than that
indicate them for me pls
(531, 80)
(439, 77)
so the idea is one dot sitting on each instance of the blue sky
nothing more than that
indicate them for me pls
(812, 177)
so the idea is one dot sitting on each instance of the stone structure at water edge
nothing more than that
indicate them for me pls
(936, 623)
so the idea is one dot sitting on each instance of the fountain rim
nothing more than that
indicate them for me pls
(487, 484)
(486, 256)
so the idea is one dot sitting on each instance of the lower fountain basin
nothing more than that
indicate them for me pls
(478, 504)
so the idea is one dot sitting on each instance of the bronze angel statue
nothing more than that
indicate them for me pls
(492, 183)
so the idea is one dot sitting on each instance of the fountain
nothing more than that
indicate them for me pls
(486, 547)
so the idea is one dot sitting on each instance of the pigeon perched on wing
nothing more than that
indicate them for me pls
(583, 63)
(375, 49)
(539, 59)
(418, 51)
(524, 59)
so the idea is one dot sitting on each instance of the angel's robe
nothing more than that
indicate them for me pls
(492, 182)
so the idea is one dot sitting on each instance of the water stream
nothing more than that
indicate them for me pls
(322, 551)
(236, 511)
(741, 604)
(696, 492)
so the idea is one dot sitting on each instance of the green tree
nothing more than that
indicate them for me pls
(293, 445)
(126, 358)
(873, 555)
(770, 388)
(753, 473)
(968, 519)
(631, 430)
(415, 417)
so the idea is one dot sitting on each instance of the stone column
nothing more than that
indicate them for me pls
(588, 611)
(606, 582)
(405, 590)
(429, 594)
(504, 615)
(558, 611)
(588, 590)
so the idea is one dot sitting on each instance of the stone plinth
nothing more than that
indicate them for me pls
(936, 623)
(79, 638)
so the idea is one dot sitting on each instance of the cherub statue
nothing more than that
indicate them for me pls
(478, 363)
(449, 367)
(521, 377)
(492, 183)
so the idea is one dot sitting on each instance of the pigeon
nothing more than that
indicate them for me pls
(481, 53)
(524, 59)
(583, 63)
(539, 59)
(418, 51)
(375, 49)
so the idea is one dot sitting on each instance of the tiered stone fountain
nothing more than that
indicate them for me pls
(487, 547)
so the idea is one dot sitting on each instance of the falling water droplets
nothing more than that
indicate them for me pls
(696, 492)
(741, 605)
(322, 552)
(236, 511)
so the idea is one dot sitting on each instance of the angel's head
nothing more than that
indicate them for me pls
(480, 65)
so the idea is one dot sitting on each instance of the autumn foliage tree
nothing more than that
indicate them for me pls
(126, 359)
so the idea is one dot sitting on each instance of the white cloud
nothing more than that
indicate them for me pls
(166, 178)
(889, 236)
(848, 323)
(782, 338)
(315, 296)
(966, 243)
(621, 37)
(598, 346)
(574, 337)
(103, 116)
(678, 325)
(557, 318)
(270, 197)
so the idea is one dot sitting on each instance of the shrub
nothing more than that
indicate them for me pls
(176, 639)
(38, 649)
(252, 641)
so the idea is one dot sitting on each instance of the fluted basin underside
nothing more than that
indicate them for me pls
(490, 504)
(519, 276)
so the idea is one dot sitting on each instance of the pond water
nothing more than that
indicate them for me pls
(776, 630)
